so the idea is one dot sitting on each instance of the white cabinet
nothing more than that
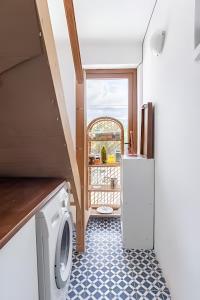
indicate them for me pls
(18, 265)
(137, 201)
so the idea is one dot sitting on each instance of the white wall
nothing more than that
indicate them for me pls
(64, 54)
(172, 82)
(110, 53)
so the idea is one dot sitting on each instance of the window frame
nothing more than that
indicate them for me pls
(131, 75)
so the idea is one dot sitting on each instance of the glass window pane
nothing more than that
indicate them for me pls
(108, 98)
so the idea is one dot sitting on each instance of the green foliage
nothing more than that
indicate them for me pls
(103, 155)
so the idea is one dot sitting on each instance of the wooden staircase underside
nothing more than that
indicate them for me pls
(35, 134)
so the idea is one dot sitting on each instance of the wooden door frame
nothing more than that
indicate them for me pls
(131, 75)
(81, 156)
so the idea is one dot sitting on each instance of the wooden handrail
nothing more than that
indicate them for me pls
(73, 35)
(80, 155)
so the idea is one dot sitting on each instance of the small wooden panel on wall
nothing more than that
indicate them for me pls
(147, 131)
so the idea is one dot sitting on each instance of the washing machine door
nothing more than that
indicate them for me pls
(63, 257)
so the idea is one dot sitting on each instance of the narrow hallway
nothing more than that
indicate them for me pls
(99, 165)
(107, 271)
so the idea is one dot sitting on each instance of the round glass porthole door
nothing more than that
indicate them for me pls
(63, 258)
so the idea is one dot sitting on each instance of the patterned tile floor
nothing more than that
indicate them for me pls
(107, 271)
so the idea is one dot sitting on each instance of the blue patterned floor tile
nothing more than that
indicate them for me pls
(106, 271)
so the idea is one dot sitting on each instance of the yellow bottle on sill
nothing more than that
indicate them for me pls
(111, 159)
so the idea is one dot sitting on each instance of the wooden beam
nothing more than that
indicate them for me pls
(81, 160)
(108, 73)
(80, 119)
(73, 35)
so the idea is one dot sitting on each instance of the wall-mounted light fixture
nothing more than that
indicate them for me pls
(157, 42)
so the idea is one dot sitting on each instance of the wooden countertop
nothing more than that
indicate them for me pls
(20, 199)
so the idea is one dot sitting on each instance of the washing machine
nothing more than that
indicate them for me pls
(54, 246)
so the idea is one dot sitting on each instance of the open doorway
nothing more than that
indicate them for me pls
(111, 113)
(113, 93)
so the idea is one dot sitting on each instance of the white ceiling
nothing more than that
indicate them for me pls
(112, 20)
